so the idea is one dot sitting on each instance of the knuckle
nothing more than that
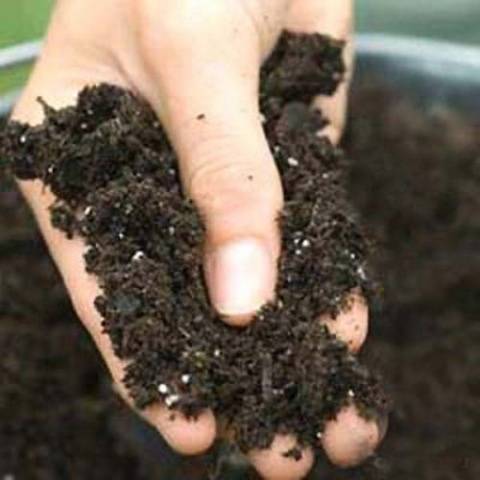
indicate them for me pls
(220, 179)
(172, 21)
(158, 24)
(177, 23)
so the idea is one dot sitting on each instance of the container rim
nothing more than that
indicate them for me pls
(433, 55)
(417, 48)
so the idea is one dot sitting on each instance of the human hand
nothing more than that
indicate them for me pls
(197, 63)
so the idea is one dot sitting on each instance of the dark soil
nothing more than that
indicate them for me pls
(115, 176)
(416, 183)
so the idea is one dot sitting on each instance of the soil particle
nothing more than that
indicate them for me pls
(115, 177)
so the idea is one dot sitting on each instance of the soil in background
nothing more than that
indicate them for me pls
(415, 179)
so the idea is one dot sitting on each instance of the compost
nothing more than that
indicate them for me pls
(115, 177)
(415, 182)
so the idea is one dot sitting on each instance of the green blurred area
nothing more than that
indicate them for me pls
(20, 20)
(456, 20)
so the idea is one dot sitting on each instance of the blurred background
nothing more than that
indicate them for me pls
(455, 20)
(432, 357)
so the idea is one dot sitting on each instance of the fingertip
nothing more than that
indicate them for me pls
(187, 436)
(350, 439)
(351, 324)
(274, 464)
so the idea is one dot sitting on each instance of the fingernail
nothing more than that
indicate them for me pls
(240, 275)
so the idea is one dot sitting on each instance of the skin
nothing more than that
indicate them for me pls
(174, 53)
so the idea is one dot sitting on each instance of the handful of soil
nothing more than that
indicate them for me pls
(115, 177)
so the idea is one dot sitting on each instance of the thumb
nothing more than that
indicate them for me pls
(208, 82)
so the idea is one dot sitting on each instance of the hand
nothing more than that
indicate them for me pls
(196, 59)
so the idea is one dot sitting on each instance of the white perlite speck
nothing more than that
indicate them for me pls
(138, 255)
(185, 378)
(293, 162)
(361, 273)
(172, 400)
(163, 389)
(351, 393)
